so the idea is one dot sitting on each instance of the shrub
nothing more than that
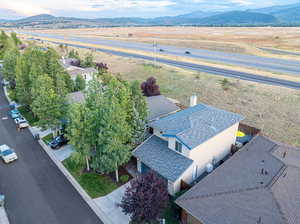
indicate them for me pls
(124, 178)
(150, 88)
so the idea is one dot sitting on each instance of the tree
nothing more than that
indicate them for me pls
(139, 113)
(15, 39)
(47, 105)
(74, 54)
(150, 88)
(79, 83)
(80, 133)
(88, 61)
(145, 199)
(23, 82)
(10, 61)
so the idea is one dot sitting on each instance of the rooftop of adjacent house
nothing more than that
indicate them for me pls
(154, 153)
(160, 106)
(76, 97)
(259, 184)
(81, 71)
(197, 124)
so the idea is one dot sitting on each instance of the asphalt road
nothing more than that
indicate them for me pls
(35, 189)
(207, 69)
(291, 67)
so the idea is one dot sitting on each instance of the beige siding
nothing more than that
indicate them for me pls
(217, 148)
(171, 145)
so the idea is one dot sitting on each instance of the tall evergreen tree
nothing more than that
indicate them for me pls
(79, 83)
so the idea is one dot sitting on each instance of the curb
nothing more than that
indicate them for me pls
(3, 216)
(75, 184)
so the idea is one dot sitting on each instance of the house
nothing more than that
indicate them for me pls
(86, 73)
(186, 144)
(257, 185)
(160, 106)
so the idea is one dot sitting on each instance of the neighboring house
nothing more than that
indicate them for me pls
(160, 106)
(188, 143)
(257, 185)
(75, 97)
(86, 73)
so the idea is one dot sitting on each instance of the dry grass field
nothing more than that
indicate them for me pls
(275, 110)
(231, 39)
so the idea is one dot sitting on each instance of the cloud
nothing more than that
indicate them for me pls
(117, 8)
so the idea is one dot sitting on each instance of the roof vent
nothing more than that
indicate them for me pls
(209, 168)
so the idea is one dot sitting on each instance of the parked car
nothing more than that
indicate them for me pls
(58, 141)
(7, 154)
(21, 122)
(242, 138)
(161, 50)
(5, 83)
(14, 114)
(187, 52)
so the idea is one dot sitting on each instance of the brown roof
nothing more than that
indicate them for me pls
(259, 184)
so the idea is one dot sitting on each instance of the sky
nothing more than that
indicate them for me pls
(15, 9)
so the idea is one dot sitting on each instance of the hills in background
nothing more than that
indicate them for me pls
(283, 15)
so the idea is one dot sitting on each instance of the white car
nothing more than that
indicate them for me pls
(22, 122)
(7, 154)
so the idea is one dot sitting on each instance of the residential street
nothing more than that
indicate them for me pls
(35, 189)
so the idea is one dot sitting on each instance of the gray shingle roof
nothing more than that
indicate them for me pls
(197, 124)
(160, 106)
(237, 192)
(76, 97)
(155, 153)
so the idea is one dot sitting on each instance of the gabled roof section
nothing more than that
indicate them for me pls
(259, 184)
(154, 153)
(197, 124)
(160, 106)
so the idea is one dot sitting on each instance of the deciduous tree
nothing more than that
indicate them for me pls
(150, 88)
(145, 199)
(79, 83)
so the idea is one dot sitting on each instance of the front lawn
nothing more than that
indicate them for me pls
(28, 115)
(48, 138)
(94, 184)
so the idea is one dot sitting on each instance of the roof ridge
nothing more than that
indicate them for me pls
(222, 193)
(277, 176)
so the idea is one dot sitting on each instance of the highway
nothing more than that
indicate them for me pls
(291, 67)
(287, 64)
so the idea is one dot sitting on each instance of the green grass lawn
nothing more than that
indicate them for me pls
(94, 184)
(48, 138)
(28, 115)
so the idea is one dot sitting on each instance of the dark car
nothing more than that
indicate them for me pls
(187, 52)
(58, 141)
(161, 50)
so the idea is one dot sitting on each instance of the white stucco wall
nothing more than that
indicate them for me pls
(217, 148)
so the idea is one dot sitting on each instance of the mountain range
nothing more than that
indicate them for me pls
(283, 15)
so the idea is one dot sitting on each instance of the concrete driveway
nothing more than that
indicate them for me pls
(64, 152)
(109, 203)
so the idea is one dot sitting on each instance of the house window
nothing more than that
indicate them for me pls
(178, 147)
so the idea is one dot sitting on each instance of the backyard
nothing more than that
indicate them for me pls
(274, 110)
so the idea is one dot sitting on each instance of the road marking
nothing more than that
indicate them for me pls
(4, 118)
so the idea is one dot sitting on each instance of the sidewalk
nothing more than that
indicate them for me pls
(108, 205)
(3, 216)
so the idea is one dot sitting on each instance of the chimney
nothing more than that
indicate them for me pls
(63, 60)
(193, 101)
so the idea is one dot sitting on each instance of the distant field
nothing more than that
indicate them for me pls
(275, 110)
(230, 39)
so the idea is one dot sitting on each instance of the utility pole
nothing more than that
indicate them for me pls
(154, 52)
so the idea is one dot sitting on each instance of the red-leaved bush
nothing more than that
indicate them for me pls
(150, 88)
(145, 199)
